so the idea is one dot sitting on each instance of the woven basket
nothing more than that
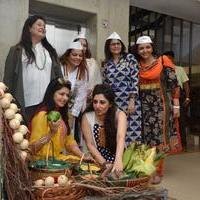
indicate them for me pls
(59, 193)
(138, 183)
(41, 174)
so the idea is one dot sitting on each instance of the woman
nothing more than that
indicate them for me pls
(30, 65)
(46, 135)
(121, 73)
(75, 70)
(104, 128)
(93, 69)
(160, 99)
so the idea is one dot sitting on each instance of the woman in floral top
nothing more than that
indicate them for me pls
(159, 98)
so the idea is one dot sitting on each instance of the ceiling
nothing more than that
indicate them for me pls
(59, 13)
(184, 9)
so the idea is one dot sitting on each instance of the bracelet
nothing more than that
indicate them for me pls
(178, 107)
(187, 99)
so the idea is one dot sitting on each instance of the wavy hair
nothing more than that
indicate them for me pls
(87, 52)
(110, 118)
(26, 41)
(82, 69)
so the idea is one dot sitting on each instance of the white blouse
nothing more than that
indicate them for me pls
(36, 75)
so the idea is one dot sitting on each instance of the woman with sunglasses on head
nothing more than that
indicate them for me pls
(45, 133)
(31, 65)
(104, 128)
(75, 70)
(121, 73)
(93, 69)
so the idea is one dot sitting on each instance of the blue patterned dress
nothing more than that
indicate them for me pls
(123, 78)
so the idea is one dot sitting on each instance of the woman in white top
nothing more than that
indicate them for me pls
(30, 65)
(92, 66)
(74, 69)
(104, 128)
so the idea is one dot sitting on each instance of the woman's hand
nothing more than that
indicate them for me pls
(176, 110)
(54, 126)
(131, 105)
(88, 158)
(118, 168)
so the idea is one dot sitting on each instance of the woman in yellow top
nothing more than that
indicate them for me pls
(53, 137)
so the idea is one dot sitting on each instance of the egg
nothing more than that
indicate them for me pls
(23, 129)
(5, 103)
(18, 116)
(3, 86)
(39, 182)
(14, 124)
(17, 137)
(9, 113)
(49, 181)
(24, 144)
(62, 180)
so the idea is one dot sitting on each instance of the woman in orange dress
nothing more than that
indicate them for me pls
(159, 98)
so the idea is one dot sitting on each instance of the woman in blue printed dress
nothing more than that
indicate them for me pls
(121, 73)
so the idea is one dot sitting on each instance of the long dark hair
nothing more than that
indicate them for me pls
(107, 52)
(48, 100)
(26, 41)
(110, 118)
(82, 69)
(87, 52)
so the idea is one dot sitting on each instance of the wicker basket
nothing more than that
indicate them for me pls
(41, 174)
(59, 193)
(138, 183)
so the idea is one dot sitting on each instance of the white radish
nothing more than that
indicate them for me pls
(5, 103)
(17, 137)
(62, 180)
(24, 144)
(14, 124)
(39, 182)
(8, 96)
(23, 155)
(9, 114)
(18, 116)
(49, 181)
(3, 86)
(23, 129)
(14, 107)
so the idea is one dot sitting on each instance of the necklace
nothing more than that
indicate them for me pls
(44, 63)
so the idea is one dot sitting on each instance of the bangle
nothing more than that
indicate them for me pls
(187, 99)
(178, 107)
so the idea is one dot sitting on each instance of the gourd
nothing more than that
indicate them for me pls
(17, 137)
(3, 86)
(14, 124)
(39, 182)
(5, 103)
(9, 113)
(49, 181)
(23, 155)
(18, 116)
(62, 180)
(24, 144)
